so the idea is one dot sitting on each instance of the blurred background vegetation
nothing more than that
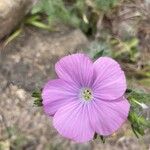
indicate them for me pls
(116, 28)
(119, 27)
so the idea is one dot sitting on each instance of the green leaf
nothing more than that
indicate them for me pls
(102, 138)
(98, 54)
(132, 43)
(13, 36)
(138, 100)
(38, 102)
(36, 94)
(39, 24)
(38, 8)
(128, 91)
(37, 98)
(138, 123)
(31, 18)
(134, 131)
(140, 96)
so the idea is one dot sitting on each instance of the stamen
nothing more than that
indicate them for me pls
(86, 94)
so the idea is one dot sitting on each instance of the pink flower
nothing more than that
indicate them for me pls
(87, 98)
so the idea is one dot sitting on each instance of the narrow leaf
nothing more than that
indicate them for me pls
(13, 36)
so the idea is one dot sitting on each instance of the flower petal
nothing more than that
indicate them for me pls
(107, 117)
(110, 83)
(72, 122)
(57, 93)
(77, 68)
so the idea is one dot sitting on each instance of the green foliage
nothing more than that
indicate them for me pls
(56, 11)
(98, 54)
(80, 13)
(37, 98)
(35, 20)
(106, 5)
(128, 48)
(138, 101)
(98, 49)
(140, 96)
(116, 48)
(96, 136)
(146, 81)
(102, 138)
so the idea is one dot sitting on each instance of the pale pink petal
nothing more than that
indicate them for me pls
(72, 122)
(77, 68)
(107, 117)
(57, 93)
(110, 83)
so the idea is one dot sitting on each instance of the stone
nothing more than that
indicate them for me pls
(29, 61)
(11, 13)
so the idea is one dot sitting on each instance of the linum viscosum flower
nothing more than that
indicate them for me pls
(87, 97)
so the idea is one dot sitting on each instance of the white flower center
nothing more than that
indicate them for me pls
(86, 94)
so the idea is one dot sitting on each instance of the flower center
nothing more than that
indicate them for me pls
(86, 94)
